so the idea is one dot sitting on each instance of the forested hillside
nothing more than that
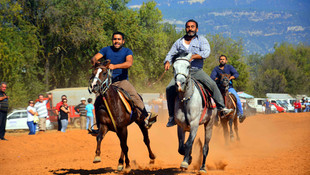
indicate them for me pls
(47, 44)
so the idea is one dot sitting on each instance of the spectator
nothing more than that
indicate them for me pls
(267, 107)
(42, 113)
(306, 104)
(31, 111)
(90, 113)
(4, 106)
(297, 106)
(58, 105)
(64, 115)
(81, 109)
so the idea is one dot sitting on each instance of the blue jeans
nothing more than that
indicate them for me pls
(91, 118)
(239, 105)
(64, 124)
(32, 127)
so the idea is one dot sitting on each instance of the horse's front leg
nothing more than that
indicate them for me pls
(208, 133)
(120, 166)
(103, 129)
(225, 130)
(236, 128)
(231, 120)
(188, 147)
(146, 140)
(122, 135)
(181, 137)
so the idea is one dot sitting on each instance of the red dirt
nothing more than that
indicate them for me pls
(270, 144)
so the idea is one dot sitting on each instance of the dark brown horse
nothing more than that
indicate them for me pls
(111, 114)
(231, 103)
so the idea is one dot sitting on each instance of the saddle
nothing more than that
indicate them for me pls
(207, 100)
(126, 99)
(205, 94)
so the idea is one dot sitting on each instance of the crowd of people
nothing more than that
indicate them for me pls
(302, 105)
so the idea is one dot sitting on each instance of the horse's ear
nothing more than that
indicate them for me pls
(106, 63)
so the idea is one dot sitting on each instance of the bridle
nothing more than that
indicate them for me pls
(187, 79)
(103, 85)
(186, 76)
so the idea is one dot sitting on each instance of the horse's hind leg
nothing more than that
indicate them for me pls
(146, 140)
(208, 133)
(188, 148)
(103, 129)
(231, 130)
(122, 135)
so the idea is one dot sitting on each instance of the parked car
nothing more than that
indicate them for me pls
(279, 108)
(18, 120)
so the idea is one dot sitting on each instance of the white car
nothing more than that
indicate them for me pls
(18, 120)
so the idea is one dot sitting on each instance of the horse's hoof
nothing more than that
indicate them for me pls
(152, 161)
(120, 167)
(202, 171)
(127, 169)
(97, 159)
(184, 166)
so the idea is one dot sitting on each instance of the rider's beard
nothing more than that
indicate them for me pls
(191, 33)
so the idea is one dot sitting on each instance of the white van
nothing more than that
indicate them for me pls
(18, 120)
(257, 103)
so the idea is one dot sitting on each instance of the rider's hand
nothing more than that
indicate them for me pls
(111, 66)
(93, 61)
(167, 66)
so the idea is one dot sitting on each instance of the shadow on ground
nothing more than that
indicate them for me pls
(167, 171)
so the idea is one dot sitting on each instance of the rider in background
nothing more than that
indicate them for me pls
(121, 60)
(224, 68)
(200, 48)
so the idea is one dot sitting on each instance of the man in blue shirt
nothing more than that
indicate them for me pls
(121, 60)
(200, 49)
(224, 68)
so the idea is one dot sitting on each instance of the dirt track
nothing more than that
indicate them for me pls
(270, 144)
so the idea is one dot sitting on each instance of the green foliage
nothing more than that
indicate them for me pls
(234, 51)
(47, 44)
(284, 71)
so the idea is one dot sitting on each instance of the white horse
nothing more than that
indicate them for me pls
(188, 110)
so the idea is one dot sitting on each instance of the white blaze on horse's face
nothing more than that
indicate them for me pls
(181, 72)
(96, 78)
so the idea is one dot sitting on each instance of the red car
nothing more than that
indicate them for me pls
(279, 108)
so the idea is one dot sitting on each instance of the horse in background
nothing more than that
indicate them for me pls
(112, 115)
(188, 112)
(231, 103)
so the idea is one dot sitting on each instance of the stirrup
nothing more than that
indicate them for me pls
(93, 132)
(150, 119)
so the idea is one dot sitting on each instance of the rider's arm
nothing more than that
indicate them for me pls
(96, 58)
(213, 75)
(125, 65)
(234, 73)
(173, 51)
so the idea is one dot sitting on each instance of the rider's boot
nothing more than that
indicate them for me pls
(171, 121)
(150, 119)
(225, 111)
(241, 118)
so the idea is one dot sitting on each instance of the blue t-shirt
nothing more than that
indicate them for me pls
(89, 108)
(117, 57)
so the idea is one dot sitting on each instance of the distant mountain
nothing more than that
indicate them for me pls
(260, 23)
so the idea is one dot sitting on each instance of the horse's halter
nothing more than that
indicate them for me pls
(103, 84)
(187, 79)
(224, 82)
(186, 76)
